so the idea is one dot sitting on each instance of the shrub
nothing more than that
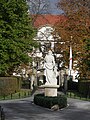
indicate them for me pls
(84, 87)
(72, 85)
(26, 84)
(48, 102)
(9, 85)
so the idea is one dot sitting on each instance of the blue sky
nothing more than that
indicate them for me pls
(53, 7)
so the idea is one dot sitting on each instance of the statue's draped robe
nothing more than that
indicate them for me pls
(49, 69)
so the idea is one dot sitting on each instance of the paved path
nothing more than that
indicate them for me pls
(24, 109)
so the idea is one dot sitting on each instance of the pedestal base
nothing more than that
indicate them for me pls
(50, 90)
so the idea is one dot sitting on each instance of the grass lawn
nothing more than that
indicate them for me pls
(21, 94)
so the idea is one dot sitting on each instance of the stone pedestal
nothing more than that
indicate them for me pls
(50, 90)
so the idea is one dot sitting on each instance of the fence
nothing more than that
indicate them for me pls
(76, 95)
(19, 95)
(16, 95)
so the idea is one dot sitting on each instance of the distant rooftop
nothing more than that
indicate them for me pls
(42, 20)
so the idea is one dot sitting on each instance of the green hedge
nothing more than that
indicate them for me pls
(9, 85)
(48, 102)
(84, 87)
(72, 85)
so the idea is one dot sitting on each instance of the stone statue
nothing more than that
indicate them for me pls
(50, 69)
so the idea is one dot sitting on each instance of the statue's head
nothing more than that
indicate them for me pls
(50, 52)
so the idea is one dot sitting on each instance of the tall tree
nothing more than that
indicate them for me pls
(78, 16)
(85, 61)
(77, 25)
(16, 35)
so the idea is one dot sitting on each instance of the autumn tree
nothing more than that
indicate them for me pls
(77, 25)
(85, 60)
(16, 35)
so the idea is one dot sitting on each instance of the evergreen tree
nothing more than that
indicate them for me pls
(16, 35)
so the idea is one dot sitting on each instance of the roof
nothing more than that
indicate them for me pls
(42, 20)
